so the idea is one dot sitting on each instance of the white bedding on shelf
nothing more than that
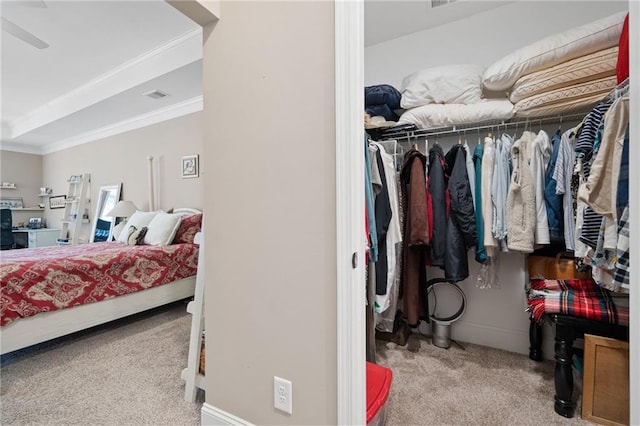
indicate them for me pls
(445, 115)
(567, 99)
(579, 70)
(448, 84)
(552, 50)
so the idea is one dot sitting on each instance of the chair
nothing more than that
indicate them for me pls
(6, 234)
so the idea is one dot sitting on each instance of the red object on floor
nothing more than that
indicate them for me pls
(378, 386)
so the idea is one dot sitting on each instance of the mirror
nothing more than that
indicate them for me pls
(102, 227)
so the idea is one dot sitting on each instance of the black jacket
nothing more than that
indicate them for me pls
(461, 225)
(438, 201)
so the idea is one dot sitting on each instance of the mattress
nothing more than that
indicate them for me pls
(567, 99)
(58, 277)
(586, 68)
(552, 50)
(434, 116)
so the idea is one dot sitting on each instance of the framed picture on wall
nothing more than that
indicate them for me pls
(190, 167)
(11, 202)
(57, 201)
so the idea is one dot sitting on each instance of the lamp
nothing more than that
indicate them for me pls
(123, 209)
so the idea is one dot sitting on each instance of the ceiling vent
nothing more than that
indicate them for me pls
(156, 94)
(436, 3)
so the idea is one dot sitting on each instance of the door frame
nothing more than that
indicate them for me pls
(350, 209)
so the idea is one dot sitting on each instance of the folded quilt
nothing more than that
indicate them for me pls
(577, 298)
(583, 69)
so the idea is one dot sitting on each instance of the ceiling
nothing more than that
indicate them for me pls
(386, 20)
(103, 56)
(90, 82)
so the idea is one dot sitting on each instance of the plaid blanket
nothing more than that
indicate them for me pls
(578, 298)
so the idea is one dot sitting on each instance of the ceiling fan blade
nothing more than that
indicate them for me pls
(23, 34)
(34, 3)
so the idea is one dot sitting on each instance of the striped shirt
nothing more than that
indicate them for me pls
(621, 273)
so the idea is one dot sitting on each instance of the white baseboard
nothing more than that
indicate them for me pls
(502, 338)
(214, 416)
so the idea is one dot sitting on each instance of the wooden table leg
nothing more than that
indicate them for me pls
(535, 340)
(564, 404)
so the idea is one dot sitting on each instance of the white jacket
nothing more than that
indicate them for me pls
(521, 216)
(541, 149)
(488, 159)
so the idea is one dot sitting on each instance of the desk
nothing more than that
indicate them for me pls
(36, 237)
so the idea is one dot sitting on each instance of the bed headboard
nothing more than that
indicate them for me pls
(186, 211)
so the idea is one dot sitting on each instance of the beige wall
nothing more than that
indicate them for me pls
(25, 170)
(270, 202)
(123, 158)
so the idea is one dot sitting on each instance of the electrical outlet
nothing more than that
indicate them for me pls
(282, 394)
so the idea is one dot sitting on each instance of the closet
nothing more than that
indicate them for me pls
(487, 304)
(494, 317)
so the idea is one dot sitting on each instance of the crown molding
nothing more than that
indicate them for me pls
(143, 120)
(178, 52)
(18, 147)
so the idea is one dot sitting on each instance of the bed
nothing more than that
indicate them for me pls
(49, 292)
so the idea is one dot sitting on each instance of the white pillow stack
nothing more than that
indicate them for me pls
(567, 72)
(161, 227)
(553, 50)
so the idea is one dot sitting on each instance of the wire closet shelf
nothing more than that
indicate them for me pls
(524, 123)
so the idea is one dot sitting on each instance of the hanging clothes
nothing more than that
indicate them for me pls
(438, 205)
(383, 219)
(553, 201)
(601, 187)
(500, 189)
(369, 201)
(521, 217)
(563, 175)
(621, 274)
(622, 196)
(470, 171)
(416, 236)
(393, 234)
(488, 159)
(481, 254)
(584, 148)
(461, 226)
(540, 154)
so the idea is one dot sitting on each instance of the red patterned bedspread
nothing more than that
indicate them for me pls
(50, 278)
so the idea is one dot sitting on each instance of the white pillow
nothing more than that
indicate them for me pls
(139, 220)
(553, 50)
(162, 229)
(447, 115)
(450, 84)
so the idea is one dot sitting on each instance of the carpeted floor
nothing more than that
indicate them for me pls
(471, 386)
(124, 373)
(128, 373)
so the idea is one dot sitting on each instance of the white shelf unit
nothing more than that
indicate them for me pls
(75, 205)
(193, 380)
(8, 186)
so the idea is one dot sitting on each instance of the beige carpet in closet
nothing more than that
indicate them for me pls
(475, 386)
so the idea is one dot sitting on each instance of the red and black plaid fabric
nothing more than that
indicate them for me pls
(578, 298)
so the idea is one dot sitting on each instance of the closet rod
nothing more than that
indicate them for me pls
(454, 130)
